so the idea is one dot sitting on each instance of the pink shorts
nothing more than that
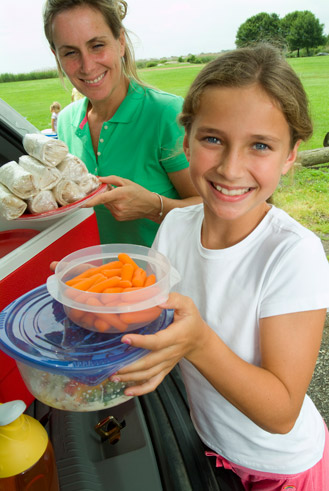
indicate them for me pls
(314, 479)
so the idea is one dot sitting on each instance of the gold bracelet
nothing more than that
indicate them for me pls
(161, 203)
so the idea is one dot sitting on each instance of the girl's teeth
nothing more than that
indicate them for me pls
(231, 192)
(96, 79)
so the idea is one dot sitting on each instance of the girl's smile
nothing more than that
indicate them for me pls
(238, 147)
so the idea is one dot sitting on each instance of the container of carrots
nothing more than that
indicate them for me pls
(114, 287)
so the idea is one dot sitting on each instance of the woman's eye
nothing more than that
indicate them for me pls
(69, 53)
(261, 146)
(98, 45)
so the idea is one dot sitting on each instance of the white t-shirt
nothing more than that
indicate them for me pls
(54, 117)
(279, 268)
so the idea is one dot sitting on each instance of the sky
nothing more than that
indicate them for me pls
(158, 28)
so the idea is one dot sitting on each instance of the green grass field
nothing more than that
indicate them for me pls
(33, 98)
(306, 197)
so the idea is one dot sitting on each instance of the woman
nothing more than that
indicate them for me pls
(122, 129)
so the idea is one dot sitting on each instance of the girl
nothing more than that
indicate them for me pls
(54, 109)
(255, 282)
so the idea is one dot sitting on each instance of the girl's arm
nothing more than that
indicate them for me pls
(270, 395)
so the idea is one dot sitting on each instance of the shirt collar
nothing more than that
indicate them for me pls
(127, 110)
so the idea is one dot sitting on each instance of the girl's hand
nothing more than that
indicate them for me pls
(181, 339)
(127, 200)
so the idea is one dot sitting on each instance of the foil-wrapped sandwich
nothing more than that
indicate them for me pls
(11, 207)
(67, 192)
(48, 150)
(45, 177)
(72, 168)
(43, 201)
(17, 180)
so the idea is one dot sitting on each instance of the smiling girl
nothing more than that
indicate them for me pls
(255, 282)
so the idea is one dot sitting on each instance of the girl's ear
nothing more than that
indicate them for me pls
(291, 158)
(186, 147)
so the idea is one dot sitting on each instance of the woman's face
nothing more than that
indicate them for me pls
(89, 54)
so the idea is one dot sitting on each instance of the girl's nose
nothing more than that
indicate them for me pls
(231, 164)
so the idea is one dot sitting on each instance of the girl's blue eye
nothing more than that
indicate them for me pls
(213, 139)
(261, 146)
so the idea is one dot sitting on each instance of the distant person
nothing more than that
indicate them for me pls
(54, 109)
(76, 95)
(251, 304)
(121, 129)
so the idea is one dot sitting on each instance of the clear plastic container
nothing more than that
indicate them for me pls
(112, 312)
(64, 365)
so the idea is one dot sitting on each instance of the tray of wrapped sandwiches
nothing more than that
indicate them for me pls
(45, 183)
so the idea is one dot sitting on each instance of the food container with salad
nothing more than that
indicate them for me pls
(62, 364)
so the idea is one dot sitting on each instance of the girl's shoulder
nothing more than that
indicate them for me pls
(282, 224)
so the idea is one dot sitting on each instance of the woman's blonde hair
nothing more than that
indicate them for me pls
(261, 64)
(113, 11)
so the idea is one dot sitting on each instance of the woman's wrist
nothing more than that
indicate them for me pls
(160, 212)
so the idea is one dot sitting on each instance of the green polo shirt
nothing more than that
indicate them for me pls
(141, 142)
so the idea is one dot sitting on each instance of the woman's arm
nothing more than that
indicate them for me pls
(130, 201)
(270, 395)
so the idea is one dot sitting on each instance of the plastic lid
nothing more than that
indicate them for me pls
(11, 411)
(23, 440)
(34, 330)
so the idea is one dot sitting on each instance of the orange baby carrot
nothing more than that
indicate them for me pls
(125, 258)
(111, 272)
(139, 277)
(86, 283)
(103, 285)
(86, 274)
(142, 316)
(75, 315)
(94, 301)
(110, 265)
(114, 289)
(125, 284)
(114, 320)
(127, 271)
(101, 325)
(150, 280)
(133, 288)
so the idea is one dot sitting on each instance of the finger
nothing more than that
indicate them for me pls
(145, 388)
(115, 180)
(101, 199)
(53, 265)
(179, 303)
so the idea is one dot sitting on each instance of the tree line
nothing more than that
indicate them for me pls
(296, 31)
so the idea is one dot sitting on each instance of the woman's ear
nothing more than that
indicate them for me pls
(186, 147)
(291, 158)
(122, 41)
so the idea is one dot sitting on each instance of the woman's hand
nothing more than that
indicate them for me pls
(127, 200)
(182, 338)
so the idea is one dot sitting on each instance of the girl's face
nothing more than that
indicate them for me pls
(89, 54)
(238, 147)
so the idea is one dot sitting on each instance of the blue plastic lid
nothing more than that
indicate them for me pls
(35, 330)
